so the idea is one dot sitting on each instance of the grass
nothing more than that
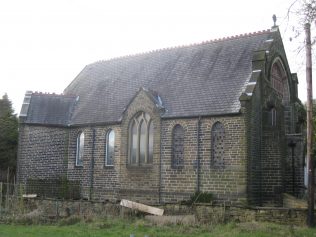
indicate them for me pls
(140, 228)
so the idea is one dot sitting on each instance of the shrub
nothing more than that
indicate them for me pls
(201, 197)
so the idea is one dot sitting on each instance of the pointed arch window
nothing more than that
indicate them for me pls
(141, 139)
(177, 147)
(80, 149)
(109, 148)
(279, 80)
(218, 145)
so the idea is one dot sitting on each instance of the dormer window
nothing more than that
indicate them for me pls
(141, 139)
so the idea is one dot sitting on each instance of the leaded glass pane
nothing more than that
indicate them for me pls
(150, 143)
(134, 143)
(277, 83)
(141, 139)
(110, 148)
(142, 142)
(178, 146)
(218, 145)
(80, 149)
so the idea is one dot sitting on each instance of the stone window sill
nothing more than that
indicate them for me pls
(138, 167)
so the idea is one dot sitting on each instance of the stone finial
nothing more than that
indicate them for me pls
(274, 20)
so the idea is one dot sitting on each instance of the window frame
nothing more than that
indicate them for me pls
(273, 115)
(177, 163)
(215, 162)
(106, 152)
(279, 80)
(80, 149)
(138, 120)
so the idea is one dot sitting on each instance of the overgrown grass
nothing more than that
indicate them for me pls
(140, 228)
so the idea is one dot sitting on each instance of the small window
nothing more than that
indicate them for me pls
(80, 149)
(218, 145)
(177, 147)
(150, 142)
(273, 114)
(109, 148)
(141, 139)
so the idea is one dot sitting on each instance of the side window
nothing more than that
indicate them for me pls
(177, 147)
(109, 148)
(273, 117)
(218, 145)
(279, 81)
(80, 149)
(141, 139)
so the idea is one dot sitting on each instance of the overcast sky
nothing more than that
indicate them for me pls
(45, 44)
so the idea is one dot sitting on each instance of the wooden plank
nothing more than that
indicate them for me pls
(29, 195)
(141, 207)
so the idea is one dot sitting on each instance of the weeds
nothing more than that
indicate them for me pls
(118, 227)
(201, 197)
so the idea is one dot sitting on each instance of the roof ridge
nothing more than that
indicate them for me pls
(38, 93)
(216, 40)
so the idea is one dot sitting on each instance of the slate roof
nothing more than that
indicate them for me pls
(50, 109)
(195, 80)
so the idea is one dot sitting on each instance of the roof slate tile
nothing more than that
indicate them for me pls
(195, 80)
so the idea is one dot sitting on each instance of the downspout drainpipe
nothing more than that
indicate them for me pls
(198, 156)
(92, 165)
(292, 145)
(160, 165)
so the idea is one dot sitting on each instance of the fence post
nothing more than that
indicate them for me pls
(7, 197)
(20, 198)
(0, 198)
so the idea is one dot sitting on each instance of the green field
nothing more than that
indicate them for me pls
(140, 228)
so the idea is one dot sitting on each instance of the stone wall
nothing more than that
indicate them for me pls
(98, 181)
(227, 183)
(42, 152)
(205, 214)
(253, 114)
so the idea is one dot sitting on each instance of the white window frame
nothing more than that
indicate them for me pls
(80, 149)
(137, 121)
(107, 142)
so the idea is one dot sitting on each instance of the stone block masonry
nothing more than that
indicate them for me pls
(204, 214)
(46, 159)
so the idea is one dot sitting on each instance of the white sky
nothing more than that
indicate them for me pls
(45, 44)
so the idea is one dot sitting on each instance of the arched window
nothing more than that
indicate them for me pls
(177, 147)
(273, 116)
(109, 148)
(218, 145)
(279, 80)
(141, 139)
(80, 149)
